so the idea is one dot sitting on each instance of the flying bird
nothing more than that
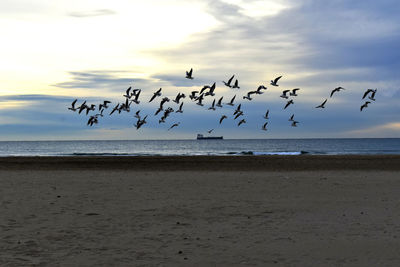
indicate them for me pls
(294, 92)
(212, 105)
(219, 104)
(364, 106)
(291, 118)
(82, 107)
(264, 127)
(368, 91)
(322, 105)
(211, 91)
(193, 95)
(266, 115)
(127, 95)
(294, 123)
(284, 94)
(231, 102)
(73, 105)
(157, 93)
(275, 82)
(229, 82)
(104, 105)
(337, 89)
(236, 85)
(241, 122)
(210, 131)
(288, 103)
(222, 118)
(174, 125)
(237, 109)
(189, 74)
(137, 115)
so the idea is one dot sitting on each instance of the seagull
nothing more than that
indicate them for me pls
(283, 95)
(92, 120)
(241, 122)
(372, 96)
(222, 118)
(127, 95)
(294, 123)
(365, 105)
(157, 93)
(165, 99)
(210, 131)
(231, 103)
(236, 85)
(189, 74)
(274, 82)
(368, 91)
(180, 109)
(211, 92)
(264, 127)
(174, 125)
(104, 105)
(114, 109)
(291, 118)
(82, 107)
(322, 105)
(266, 115)
(288, 103)
(337, 89)
(293, 93)
(229, 82)
(205, 87)
(219, 104)
(193, 95)
(73, 105)
(139, 123)
(178, 98)
(212, 105)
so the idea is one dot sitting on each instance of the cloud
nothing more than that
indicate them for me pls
(92, 13)
(101, 79)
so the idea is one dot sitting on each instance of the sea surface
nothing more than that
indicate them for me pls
(375, 146)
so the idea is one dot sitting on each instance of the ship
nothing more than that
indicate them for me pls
(201, 137)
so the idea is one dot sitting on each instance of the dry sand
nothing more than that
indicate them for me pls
(200, 211)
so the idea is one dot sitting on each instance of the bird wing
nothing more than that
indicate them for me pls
(277, 79)
(230, 80)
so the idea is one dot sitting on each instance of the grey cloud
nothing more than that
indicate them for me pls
(109, 80)
(92, 13)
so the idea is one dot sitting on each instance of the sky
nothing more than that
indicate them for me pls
(53, 52)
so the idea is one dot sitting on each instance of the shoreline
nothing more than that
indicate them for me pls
(205, 163)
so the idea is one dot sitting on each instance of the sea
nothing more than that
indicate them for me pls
(234, 147)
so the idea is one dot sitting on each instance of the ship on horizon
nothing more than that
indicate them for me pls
(202, 137)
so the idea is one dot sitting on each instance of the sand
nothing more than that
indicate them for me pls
(200, 211)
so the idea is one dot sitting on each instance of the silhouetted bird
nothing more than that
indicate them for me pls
(337, 89)
(231, 102)
(266, 115)
(219, 104)
(157, 93)
(236, 85)
(288, 103)
(364, 106)
(294, 92)
(275, 82)
(284, 94)
(189, 74)
(73, 105)
(322, 105)
(241, 122)
(264, 127)
(174, 125)
(222, 118)
(229, 81)
(368, 91)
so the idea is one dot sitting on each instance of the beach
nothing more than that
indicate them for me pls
(200, 211)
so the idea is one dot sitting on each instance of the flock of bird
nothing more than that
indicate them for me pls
(132, 96)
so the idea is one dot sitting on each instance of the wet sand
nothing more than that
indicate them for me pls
(200, 211)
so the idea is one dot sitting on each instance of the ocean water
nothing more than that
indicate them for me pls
(202, 147)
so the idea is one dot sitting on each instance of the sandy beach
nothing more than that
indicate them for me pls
(200, 211)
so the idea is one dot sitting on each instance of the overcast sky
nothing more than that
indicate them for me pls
(53, 52)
